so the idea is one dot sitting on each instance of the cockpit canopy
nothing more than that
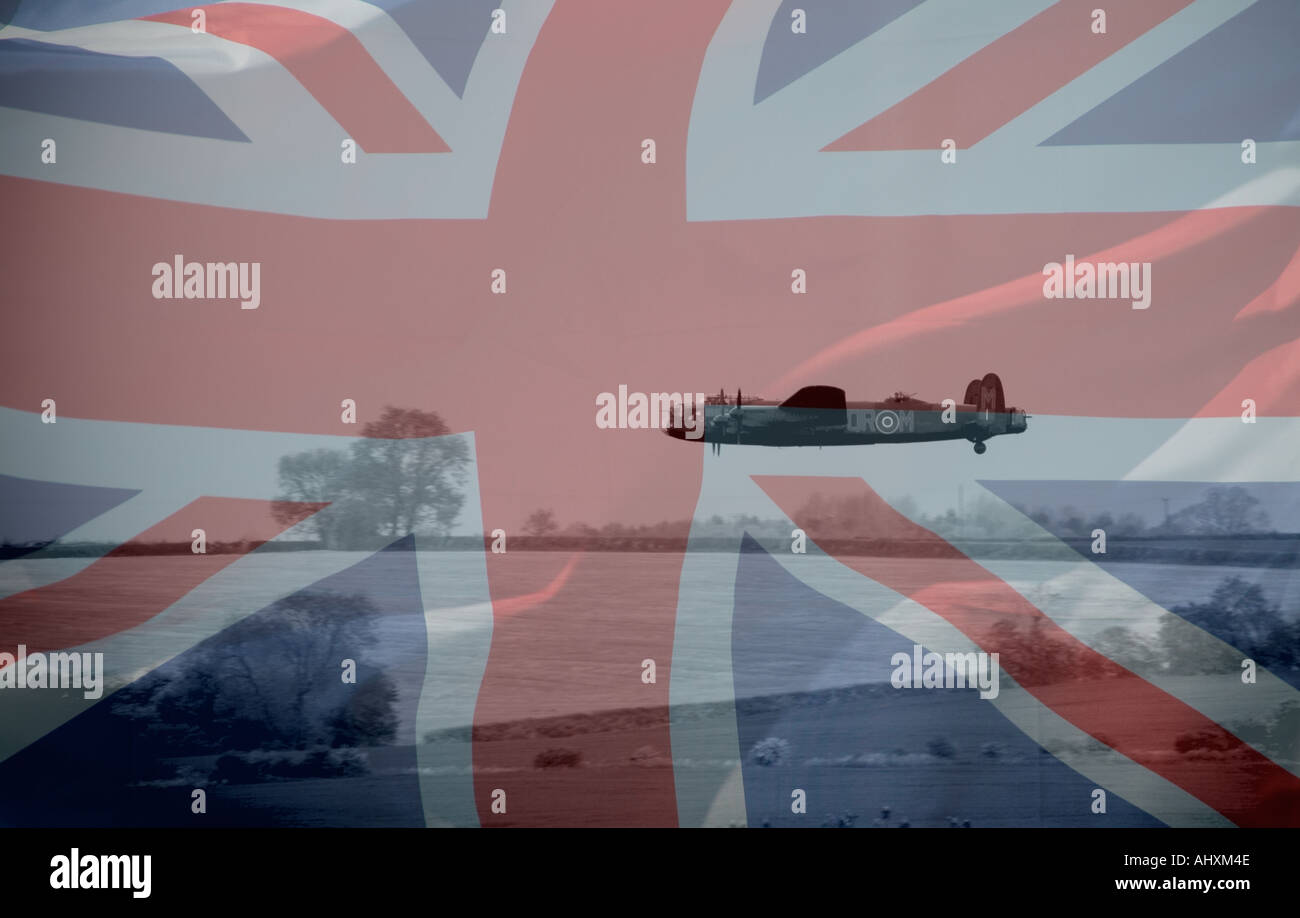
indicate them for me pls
(824, 398)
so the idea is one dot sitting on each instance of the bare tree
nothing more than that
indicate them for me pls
(1223, 511)
(541, 523)
(307, 633)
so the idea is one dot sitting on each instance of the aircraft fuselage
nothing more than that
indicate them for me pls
(772, 425)
(820, 416)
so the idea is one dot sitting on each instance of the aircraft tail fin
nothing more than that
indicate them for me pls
(992, 397)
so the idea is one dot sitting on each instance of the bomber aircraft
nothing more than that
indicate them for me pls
(820, 416)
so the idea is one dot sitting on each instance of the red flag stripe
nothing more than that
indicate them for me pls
(125, 588)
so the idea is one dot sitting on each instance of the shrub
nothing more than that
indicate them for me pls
(940, 748)
(558, 758)
(331, 763)
(1202, 741)
(349, 762)
(647, 756)
(235, 768)
(257, 765)
(770, 751)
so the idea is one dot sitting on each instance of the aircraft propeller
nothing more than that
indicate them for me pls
(723, 423)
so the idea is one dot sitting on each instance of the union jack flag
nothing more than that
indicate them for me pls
(496, 211)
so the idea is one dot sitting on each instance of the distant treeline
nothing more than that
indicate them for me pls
(1250, 550)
